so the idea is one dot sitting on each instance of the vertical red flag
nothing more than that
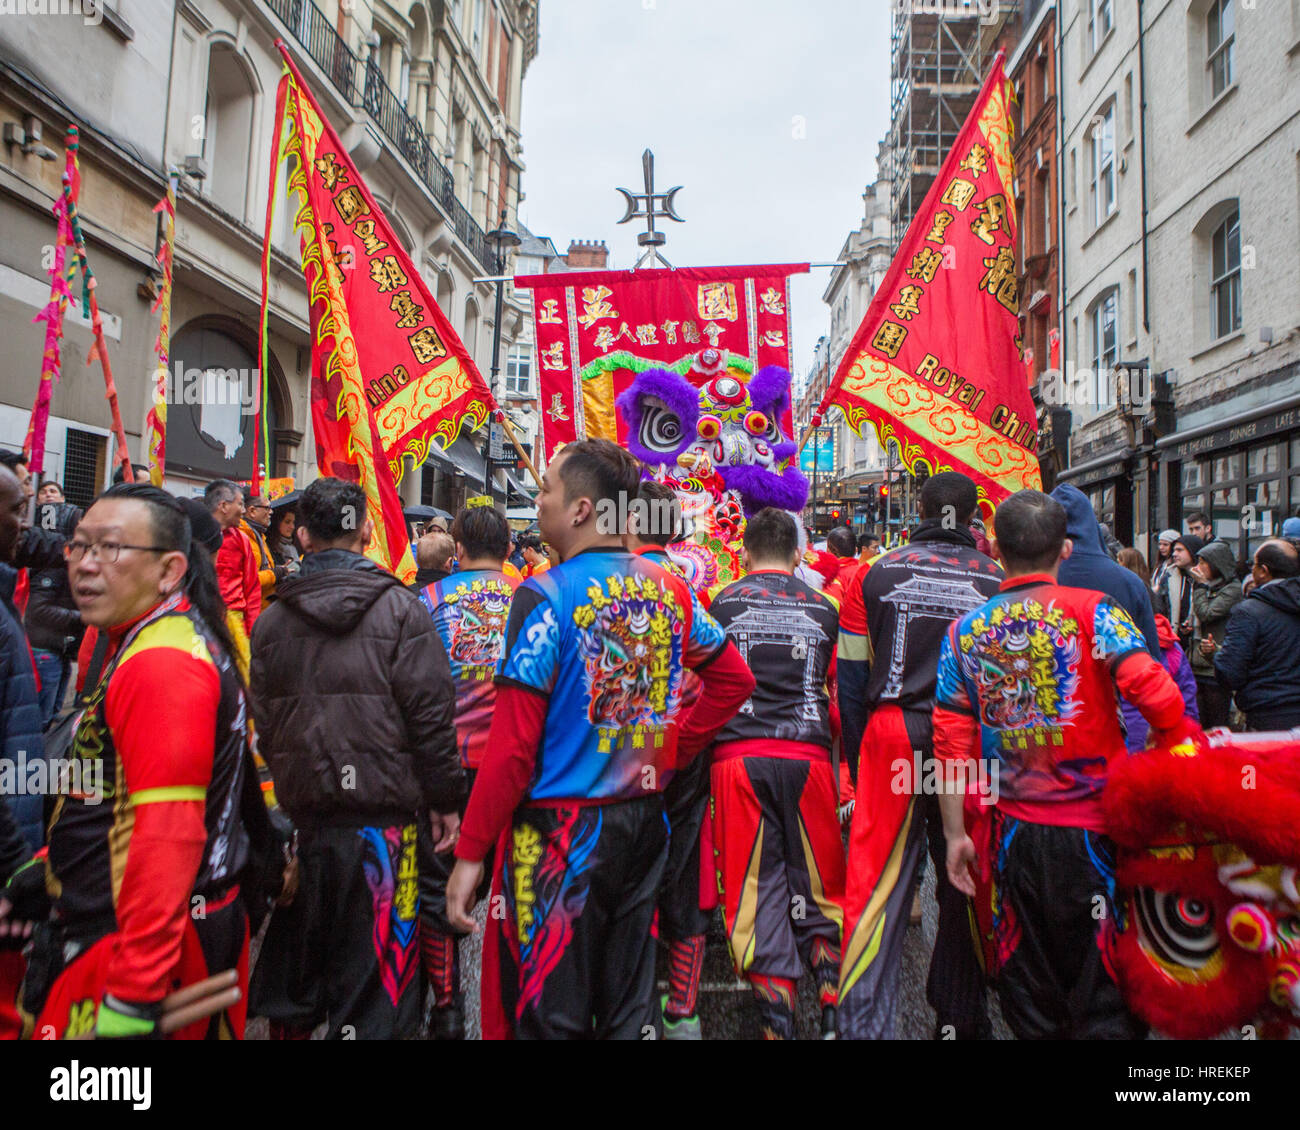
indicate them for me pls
(936, 364)
(389, 374)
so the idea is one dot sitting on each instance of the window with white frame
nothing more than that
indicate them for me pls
(480, 19)
(1102, 182)
(1100, 19)
(1225, 276)
(519, 371)
(1220, 33)
(1105, 346)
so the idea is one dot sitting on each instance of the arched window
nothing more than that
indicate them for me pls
(1217, 263)
(228, 129)
(1103, 331)
(1225, 276)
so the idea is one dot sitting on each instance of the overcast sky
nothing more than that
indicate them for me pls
(767, 113)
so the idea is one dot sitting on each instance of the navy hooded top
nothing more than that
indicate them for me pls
(1091, 567)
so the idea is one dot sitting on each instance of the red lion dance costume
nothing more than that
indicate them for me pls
(1207, 934)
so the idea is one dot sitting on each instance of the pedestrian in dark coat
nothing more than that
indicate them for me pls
(1259, 658)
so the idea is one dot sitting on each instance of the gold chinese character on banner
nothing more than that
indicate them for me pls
(331, 172)
(958, 193)
(771, 301)
(716, 301)
(351, 204)
(1000, 279)
(940, 225)
(427, 346)
(387, 273)
(645, 335)
(595, 306)
(557, 411)
(605, 338)
(553, 356)
(549, 315)
(774, 338)
(925, 263)
(365, 230)
(690, 334)
(713, 331)
(976, 161)
(908, 304)
(409, 314)
(670, 332)
(889, 339)
(992, 218)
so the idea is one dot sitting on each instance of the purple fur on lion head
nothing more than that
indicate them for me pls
(759, 487)
(674, 391)
(769, 391)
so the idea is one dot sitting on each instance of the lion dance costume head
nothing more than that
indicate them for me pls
(715, 436)
(1207, 931)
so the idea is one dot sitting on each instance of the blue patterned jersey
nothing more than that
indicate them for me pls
(469, 609)
(607, 637)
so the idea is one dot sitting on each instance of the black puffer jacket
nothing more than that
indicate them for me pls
(353, 697)
(1259, 658)
(52, 621)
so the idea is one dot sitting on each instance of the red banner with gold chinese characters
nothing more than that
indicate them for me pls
(389, 374)
(596, 330)
(418, 380)
(936, 364)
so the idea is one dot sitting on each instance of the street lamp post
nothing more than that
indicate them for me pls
(500, 241)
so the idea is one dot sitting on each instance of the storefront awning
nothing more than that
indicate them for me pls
(518, 486)
(461, 458)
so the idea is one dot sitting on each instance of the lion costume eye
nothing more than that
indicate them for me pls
(755, 423)
(661, 428)
(709, 427)
(1179, 930)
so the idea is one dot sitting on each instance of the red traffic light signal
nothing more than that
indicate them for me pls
(884, 490)
(835, 515)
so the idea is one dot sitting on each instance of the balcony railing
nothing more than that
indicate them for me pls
(363, 85)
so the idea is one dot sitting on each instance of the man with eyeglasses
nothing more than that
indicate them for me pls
(236, 563)
(148, 830)
(254, 524)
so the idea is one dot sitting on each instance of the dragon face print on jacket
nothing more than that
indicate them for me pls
(715, 436)
(1206, 936)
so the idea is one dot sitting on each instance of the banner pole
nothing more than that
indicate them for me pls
(510, 435)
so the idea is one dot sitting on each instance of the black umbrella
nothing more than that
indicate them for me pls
(286, 500)
(424, 513)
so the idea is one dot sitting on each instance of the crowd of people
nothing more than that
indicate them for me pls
(552, 739)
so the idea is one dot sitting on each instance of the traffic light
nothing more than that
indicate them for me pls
(835, 515)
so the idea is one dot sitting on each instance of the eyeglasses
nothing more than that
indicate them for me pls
(105, 552)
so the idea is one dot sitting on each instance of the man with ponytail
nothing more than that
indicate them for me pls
(147, 843)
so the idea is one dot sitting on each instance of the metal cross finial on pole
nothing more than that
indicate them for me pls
(652, 206)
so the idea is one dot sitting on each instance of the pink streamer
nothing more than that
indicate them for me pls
(61, 273)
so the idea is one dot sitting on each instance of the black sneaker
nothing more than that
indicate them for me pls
(445, 1023)
(828, 1023)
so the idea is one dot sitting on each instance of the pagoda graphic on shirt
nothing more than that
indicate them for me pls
(918, 598)
(782, 627)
